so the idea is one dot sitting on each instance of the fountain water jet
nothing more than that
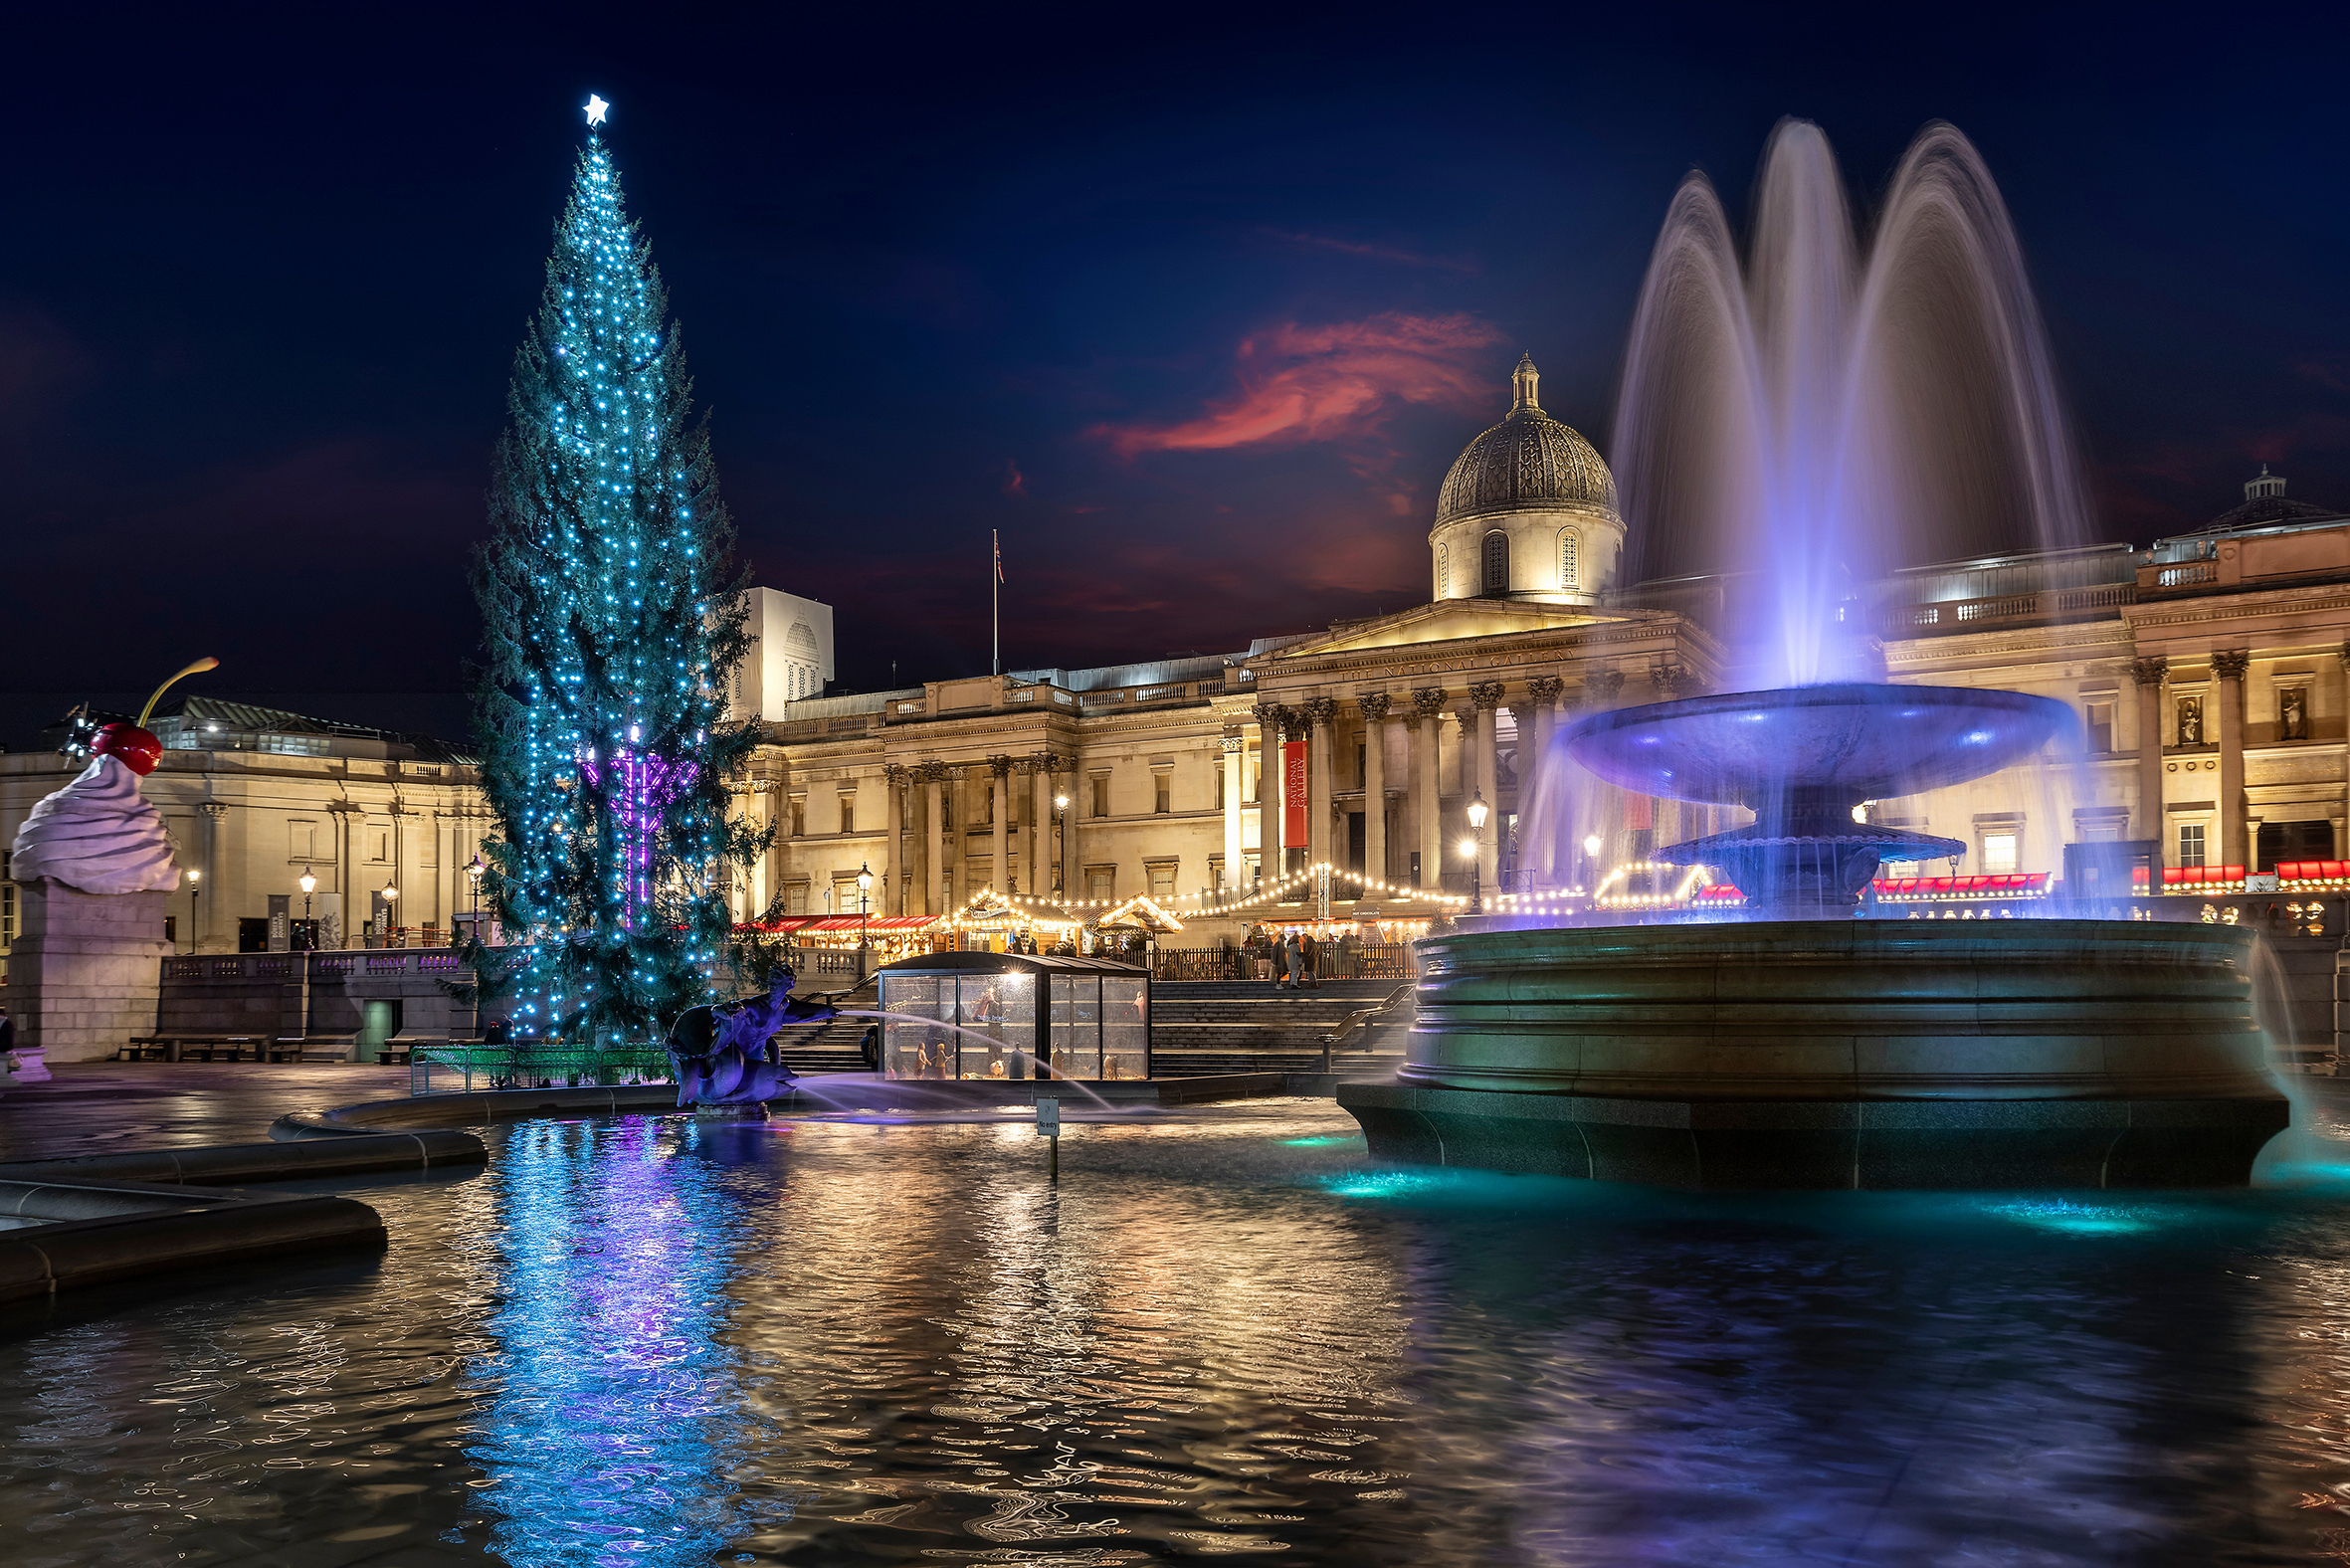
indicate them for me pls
(1799, 421)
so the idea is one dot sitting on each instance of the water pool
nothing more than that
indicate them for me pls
(660, 1341)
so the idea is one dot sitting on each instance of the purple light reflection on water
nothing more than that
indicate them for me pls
(615, 1398)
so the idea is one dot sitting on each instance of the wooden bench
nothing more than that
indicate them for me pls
(396, 1051)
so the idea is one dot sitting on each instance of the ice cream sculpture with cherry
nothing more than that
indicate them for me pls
(99, 835)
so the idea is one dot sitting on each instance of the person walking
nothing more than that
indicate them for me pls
(1280, 961)
(1293, 950)
(1309, 954)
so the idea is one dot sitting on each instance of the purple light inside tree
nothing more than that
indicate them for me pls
(642, 786)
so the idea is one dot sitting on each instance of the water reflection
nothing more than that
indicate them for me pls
(611, 1420)
(669, 1341)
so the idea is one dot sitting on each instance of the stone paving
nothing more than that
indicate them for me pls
(108, 1108)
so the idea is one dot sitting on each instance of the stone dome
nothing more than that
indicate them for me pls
(1528, 460)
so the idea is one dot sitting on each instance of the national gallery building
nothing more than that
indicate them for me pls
(2208, 672)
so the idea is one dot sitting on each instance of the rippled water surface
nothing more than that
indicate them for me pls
(660, 1341)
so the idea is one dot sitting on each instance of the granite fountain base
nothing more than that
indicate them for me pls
(1836, 1053)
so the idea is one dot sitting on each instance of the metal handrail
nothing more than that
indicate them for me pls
(1360, 1019)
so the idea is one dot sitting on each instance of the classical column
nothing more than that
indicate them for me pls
(1040, 824)
(2341, 810)
(2229, 667)
(1069, 824)
(1533, 761)
(1487, 694)
(934, 776)
(999, 771)
(2148, 674)
(1428, 708)
(1268, 716)
(211, 814)
(1319, 712)
(1374, 706)
(893, 840)
(1236, 749)
(348, 821)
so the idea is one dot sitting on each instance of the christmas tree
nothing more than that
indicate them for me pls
(613, 617)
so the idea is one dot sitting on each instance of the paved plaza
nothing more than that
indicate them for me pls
(103, 1107)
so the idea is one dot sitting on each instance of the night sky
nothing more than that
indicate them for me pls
(1195, 306)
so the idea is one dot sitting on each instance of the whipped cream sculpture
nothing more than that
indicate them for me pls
(99, 834)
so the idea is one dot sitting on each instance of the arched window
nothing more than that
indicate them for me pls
(1566, 560)
(1443, 582)
(1496, 564)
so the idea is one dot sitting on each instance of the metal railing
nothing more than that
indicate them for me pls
(1332, 961)
(339, 961)
(1354, 1034)
(461, 1070)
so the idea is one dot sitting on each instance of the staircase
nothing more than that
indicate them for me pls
(1205, 1027)
(829, 1046)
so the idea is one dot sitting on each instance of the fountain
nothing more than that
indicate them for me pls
(1796, 420)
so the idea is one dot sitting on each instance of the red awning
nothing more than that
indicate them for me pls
(792, 923)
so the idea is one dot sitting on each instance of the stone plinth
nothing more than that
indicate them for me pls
(82, 975)
(1838, 1054)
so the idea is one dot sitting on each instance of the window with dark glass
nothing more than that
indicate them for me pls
(1496, 563)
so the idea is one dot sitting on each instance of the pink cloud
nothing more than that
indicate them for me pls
(1332, 384)
(1371, 251)
(2331, 372)
(1015, 481)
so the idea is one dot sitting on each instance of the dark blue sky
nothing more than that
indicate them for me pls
(1195, 306)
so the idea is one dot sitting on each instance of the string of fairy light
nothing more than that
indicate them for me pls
(1070, 911)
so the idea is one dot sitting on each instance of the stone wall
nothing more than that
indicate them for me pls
(314, 994)
(82, 977)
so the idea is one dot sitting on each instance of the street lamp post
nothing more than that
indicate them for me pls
(308, 883)
(391, 908)
(865, 887)
(1476, 844)
(473, 904)
(195, 924)
(1061, 820)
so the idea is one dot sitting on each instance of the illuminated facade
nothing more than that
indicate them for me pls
(2209, 674)
(255, 799)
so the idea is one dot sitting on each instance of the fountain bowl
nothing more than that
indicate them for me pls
(1853, 741)
(1836, 1053)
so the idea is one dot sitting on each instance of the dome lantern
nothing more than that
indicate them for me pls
(1527, 511)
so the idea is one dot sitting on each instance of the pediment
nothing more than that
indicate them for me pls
(1448, 621)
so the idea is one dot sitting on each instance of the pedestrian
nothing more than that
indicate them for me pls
(7, 1036)
(1310, 953)
(499, 1033)
(1279, 962)
(1293, 950)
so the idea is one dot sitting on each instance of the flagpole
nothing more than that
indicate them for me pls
(995, 598)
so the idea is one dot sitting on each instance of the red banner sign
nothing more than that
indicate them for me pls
(1294, 794)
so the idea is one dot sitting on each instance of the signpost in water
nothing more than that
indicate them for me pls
(1049, 1126)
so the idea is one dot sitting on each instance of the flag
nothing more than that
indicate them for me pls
(998, 540)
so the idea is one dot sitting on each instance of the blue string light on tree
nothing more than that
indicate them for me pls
(613, 617)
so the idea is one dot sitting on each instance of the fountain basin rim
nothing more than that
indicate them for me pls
(1849, 740)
